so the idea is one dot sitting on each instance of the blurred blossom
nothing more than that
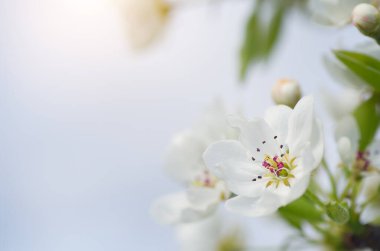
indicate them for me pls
(342, 104)
(286, 92)
(185, 165)
(347, 136)
(333, 12)
(370, 198)
(271, 163)
(212, 234)
(145, 20)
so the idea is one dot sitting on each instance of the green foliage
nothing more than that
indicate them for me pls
(300, 211)
(338, 212)
(364, 66)
(368, 119)
(261, 37)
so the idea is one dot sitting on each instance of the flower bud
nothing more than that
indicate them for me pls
(337, 212)
(366, 18)
(286, 92)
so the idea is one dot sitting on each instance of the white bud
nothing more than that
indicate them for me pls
(366, 18)
(286, 92)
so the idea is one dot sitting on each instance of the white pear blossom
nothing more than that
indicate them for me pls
(367, 162)
(343, 103)
(347, 136)
(369, 197)
(184, 164)
(145, 20)
(271, 163)
(213, 233)
(333, 12)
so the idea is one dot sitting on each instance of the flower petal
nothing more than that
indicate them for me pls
(277, 117)
(301, 126)
(230, 161)
(333, 12)
(200, 236)
(222, 151)
(184, 159)
(317, 144)
(346, 150)
(176, 208)
(347, 127)
(202, 198)
(369, 187)
(257, 136)
(374, 154)
(240, 176)
(371, 214)
(347, 137)
(260, 206)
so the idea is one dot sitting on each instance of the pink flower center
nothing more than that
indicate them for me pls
(274, 164)
(362, 160)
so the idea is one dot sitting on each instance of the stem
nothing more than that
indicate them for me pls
(354, 194)
(331, 177)
(311, 196)
(348, 187)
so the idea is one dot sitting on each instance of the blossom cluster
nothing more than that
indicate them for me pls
(276, 163)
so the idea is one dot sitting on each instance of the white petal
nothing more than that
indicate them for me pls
(346, 150)
(305, 131)
(298, 184)
(168, 209)
(229, 160)
(333, 12)
(371, 214)
(176, 208)
(261, 206)
(347, 137)
(369, 187)
(343, 104)
(298, 187)
(301, 123)
(257, 136)
(200, 236)
(220, 152)
(202, 198)
(347, 127)
(277, 117)
(184, 159)
(317, 144)
(239, 179)
(374, 154)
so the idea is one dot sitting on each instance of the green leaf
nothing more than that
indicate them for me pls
(275, 26)
(337, 212)
(261, 37)
(254, 41)
(300, 211)
(364, 66)
(368, 119)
